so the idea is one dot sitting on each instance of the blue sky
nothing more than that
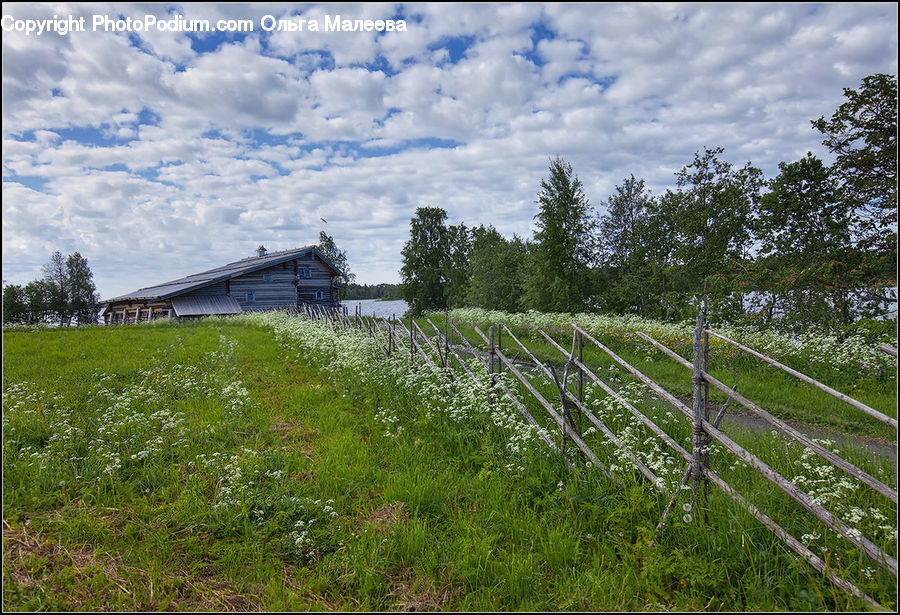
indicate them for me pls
(159, 154)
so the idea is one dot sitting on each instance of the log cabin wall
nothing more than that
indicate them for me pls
(130, 313)
(274, 286)
(304, 278)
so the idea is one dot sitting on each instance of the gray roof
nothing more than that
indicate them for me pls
(219, 274)
(205, 305)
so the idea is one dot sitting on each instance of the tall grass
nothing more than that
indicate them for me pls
(851, 366)
(268, 462)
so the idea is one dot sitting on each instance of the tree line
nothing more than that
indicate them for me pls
(373, 291)
(65, 294)
(813, 247)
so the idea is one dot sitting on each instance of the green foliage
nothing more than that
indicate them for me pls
(423, 269)
(710, 213)
(66, 292)
(269, 463)
(456, 265)
(57, 282)
(14, 307)
(564, 248)
(807, 259)
(435, 269)
(636, 248)
(496, 270)
(338, 257)
(37, 300)
(862, 133)
(375, 291)
(82, 294)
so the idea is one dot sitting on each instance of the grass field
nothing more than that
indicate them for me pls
(854, 368)
(270, 463)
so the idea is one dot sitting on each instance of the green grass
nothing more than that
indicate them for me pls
(774, 390)
(442, 514)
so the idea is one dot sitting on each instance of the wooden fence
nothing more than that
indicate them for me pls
(445, 358)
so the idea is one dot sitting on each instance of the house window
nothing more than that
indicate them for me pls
(267, 277)
(319, 295)
(305, 272)
(249, 296)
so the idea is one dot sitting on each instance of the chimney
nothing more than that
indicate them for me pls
(261, 251)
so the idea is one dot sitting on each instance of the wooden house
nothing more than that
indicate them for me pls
(263, 282)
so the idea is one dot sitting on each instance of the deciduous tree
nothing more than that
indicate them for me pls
(627, 239)
(862, 133)
(423, 271)
(495, 270)
(15, 309)
(456, 265)
(710, 212)
(56, 279)
(565, 247)
(82, 294)
(338, 257)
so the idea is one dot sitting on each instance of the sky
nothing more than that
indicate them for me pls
(158, 153)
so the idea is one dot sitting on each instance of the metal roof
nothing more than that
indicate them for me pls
(219, 274)
(205, 305)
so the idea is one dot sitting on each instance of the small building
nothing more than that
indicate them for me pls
(267, 281)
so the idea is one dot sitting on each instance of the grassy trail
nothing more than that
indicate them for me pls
(288, 485)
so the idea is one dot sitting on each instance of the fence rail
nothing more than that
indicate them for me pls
(823, 387)
(567, 414)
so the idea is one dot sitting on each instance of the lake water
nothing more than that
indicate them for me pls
(381, 309)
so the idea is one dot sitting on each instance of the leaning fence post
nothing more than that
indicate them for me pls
(698, 413)
(412, 350)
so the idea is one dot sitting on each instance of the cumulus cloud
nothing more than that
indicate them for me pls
(157, 154)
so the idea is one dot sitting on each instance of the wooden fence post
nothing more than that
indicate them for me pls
(578, 351)
(579, 343)
(491, 363)
(447, 335)
(499, 347)
(706, 417)
(697, 410)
